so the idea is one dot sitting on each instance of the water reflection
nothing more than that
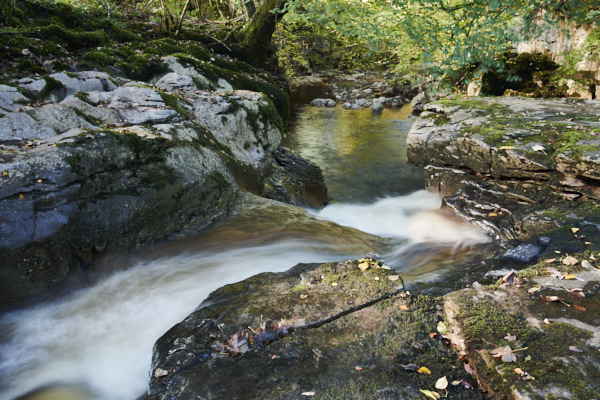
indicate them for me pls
(363, 156)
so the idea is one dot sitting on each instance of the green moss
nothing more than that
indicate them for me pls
(438, 119)
(88, 118)
(299, 288)
(84, 96)
(73, 39)
(174, 102)
(52, 85)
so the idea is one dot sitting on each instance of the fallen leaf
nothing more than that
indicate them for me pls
(534, 289)
(39, 181)
(528, 358)
(570, 276)
(411, 367)
(510, 277)
(466, 384)
(510, 338)
(376, 278)
(158, 372)
(393, 277)
(403, 307)
(555, 298)
(507, 147)
(537, 147)
(441, 383)
(550, 260)
(468, 368)
(432, 335)
(274, 356)
(303, 296)
(580, 308)
(358, 368)
(547, 321)
(568, 260)
(334, 284)
(518, 371)
(574, 230)
(424, 370)
(575, 349)
(456, 383)
(587, 264)
(441, 328)
(576, 293)
(526, 377)
(430, 394)
(492, 214)
(363, 266)
(308, 393)
(4, 173)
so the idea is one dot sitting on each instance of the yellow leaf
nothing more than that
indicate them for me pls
(334, 284)
(441, 383)
(574, 230)
(424, 370)
(303, 296)
(4, 173)
(507, 147)
(358, 368)
(403, 307)
(39, 181)
(441, 328)
(570, 276)
(430, 394)
(492, 214)
(363, 266)
(21, 197)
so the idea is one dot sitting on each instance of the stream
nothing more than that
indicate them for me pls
(94, 339)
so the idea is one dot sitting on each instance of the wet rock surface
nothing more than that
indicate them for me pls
(525, 171)
(350, 334)
(119, 164)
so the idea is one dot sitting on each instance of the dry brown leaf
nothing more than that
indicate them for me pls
(518, 371)
(432, 335)
(358, 368)
(469, 369)
(580, 308)
(510, 338)
(550, 260)
(568, 260)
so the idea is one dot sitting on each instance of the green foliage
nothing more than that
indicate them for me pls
(342, 34)
(461, 40)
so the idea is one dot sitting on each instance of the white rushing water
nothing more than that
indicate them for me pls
(100, 338)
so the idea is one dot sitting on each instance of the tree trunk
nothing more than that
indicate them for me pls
(250, 8)
(256, 36)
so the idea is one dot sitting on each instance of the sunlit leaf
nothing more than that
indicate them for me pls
(432, 335)
(307, 393)
(441, 328)
(303, 296)
(570, 276)
(510, 338)
(358, 368)
(568, 260)
(518, 371)
(575, 349)
(403, 307)
(534, 289)
(430, 394)
(334, 284)
(441, 383)
(363, 266)
(424, 370)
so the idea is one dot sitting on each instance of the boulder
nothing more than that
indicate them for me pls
(419, 101)
(323, 103)
(332, 330)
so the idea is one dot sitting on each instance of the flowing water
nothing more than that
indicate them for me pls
(95, 341)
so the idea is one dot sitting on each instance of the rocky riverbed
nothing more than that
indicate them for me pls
(92, 162)
(523, 170)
